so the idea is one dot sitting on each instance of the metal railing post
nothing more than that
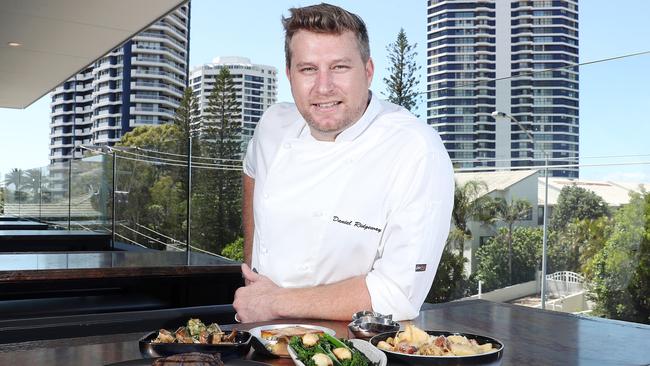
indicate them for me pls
(40, 194)
(70, 192)
(545, 233)
(18, 193)
(113, 224)
(189, 196)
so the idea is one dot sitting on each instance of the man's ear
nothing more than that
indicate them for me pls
(370, 70)
(288, 72)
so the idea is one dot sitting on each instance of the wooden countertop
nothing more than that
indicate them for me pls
(531, 337)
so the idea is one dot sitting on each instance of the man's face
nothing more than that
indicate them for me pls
(329, 81)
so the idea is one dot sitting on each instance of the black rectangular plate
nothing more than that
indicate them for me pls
(239, 349)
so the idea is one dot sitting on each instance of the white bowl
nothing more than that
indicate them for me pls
(373, 354)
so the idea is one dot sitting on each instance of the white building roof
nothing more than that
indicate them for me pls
(220, 61)
(614, 193)
(224, 60)
(496, 181)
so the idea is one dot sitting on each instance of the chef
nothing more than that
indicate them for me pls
(347, 198)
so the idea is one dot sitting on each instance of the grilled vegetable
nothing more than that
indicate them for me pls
(195, 327)
(196, 332)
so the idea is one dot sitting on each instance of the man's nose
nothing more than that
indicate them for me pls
(325, 82)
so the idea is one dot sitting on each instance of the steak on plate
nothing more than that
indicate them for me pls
(189, 359)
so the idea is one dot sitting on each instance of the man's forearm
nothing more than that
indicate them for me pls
(248, 221)
(336, 301)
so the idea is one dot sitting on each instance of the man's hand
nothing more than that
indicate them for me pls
(261, 299)
(254, 302)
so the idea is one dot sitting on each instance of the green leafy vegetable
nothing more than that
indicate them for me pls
(325, 345)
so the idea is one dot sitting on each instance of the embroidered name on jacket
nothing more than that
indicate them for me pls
(358, 224)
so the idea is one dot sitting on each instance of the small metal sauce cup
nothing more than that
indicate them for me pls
(370, 324)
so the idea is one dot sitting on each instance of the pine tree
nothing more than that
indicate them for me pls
(222, 123)
(187, 119)
(220, 188)
(403, 80)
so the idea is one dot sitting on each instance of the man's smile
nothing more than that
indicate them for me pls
(326, 105)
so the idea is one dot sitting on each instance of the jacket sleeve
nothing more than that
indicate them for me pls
(414, 237)
(249, 160)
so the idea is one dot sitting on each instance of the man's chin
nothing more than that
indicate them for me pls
(327, 128)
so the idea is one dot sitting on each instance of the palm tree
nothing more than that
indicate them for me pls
(31, 181)
(470, 203)
(15, 177)
(509, 213)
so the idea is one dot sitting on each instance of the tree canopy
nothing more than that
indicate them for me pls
(402, 82)
(620, 277)
(493, 258)
(509, 213)
(577, 203)
(450, 282)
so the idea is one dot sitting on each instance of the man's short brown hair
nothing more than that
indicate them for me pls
(325, 18)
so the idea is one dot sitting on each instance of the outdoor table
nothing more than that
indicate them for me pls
(53, 240)
(531, 337)
(22, 225)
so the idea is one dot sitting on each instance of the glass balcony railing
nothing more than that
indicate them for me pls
(65, 195)
(138, 195)
(593, 251)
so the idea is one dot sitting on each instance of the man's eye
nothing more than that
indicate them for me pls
(341, 67)
(308, 69)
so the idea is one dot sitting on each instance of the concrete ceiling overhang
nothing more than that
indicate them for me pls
(58, 38)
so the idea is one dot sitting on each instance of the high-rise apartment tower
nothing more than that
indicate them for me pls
(255, 85)
(139, 83)
(509, 56)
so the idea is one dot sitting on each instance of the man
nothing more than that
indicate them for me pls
(347, 198)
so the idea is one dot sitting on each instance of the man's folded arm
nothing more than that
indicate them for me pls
(247, 217)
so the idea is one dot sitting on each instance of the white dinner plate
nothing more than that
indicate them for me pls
(261, 345)
(373, 354)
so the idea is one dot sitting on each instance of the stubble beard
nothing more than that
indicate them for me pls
(341, 124)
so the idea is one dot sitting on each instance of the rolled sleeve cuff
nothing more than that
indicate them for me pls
(248, 165)
(387, 298)
(248, 170)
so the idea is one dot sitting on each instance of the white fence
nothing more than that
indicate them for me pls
(565, 283)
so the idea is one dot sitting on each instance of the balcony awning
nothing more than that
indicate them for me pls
(58, 38)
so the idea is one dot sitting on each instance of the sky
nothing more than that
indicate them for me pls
(614, 95)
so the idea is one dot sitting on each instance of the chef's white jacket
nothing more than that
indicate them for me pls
(377, 202)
